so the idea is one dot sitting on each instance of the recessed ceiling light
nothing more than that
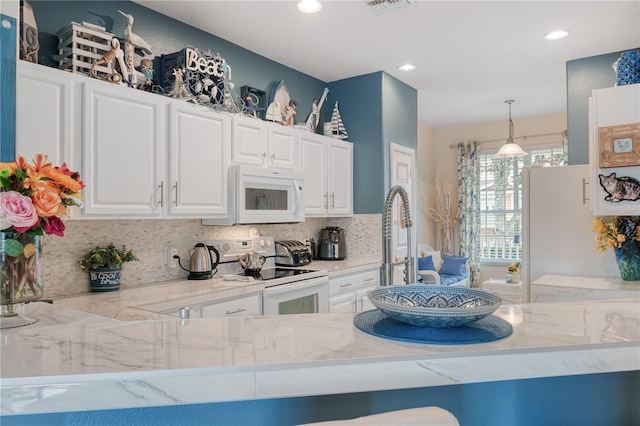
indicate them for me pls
(309, 6)
(407, 67)
(555, 35)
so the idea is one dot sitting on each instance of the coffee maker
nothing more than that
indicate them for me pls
(332, 245)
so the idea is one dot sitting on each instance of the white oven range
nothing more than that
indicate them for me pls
(287, 290)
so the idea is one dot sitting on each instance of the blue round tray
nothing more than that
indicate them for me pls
(487, 329)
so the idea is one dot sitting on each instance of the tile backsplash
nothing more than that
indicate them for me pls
(147, 238)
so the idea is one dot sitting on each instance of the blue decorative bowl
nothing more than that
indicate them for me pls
(434, 305)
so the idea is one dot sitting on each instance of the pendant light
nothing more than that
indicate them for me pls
(510, 149)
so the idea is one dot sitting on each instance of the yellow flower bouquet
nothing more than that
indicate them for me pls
(613, 231)
(622, 234)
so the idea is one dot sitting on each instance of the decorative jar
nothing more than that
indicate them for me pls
(628, 258)
(627, 68)
(21, 264)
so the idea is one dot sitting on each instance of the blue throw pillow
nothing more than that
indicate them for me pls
(426, 264)
(453, 265)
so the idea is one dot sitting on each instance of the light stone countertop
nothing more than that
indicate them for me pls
(580, 287)
(68, 357)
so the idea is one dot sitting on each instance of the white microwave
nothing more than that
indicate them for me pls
(260, 195)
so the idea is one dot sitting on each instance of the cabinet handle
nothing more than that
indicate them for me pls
(161, 186)
(332, 200)
(273, 156)
(346, 285)
(236, 311)
(584, 191)
(355, 306)
(361, 304)
(175, 200)
(326, 201)
(369, 279)
(264, 156)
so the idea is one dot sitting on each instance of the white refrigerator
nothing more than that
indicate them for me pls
(556, 226)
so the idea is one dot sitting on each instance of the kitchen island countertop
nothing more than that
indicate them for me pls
(68, 357)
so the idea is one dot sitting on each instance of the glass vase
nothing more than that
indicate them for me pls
(21, 265)
(628, 258)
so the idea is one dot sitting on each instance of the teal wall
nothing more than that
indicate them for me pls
(583, 76)
(377, 110)
(8, 54)
(586, 400)
(167, 35)
(361, 110)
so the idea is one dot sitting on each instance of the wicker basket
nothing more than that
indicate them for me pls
(511, 293)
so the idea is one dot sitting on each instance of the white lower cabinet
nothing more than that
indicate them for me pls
(348, 293)
(246, 306)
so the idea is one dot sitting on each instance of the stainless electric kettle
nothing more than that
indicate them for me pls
(201, 263)
(251, 261)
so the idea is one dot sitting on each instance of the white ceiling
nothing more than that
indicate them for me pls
(470, 55)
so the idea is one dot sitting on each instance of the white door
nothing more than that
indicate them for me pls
(249, 144)
(199, 146)
(340, 178)
(402, 168)
(283, 148)
(124, 151)
(313, 163)
(44, 116)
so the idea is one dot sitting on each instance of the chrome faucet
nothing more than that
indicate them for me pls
(387, 264)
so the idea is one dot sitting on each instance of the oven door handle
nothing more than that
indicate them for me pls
(298, 285)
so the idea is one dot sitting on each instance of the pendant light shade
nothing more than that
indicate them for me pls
(511, 149)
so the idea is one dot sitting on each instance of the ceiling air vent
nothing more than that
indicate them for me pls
(383, 7)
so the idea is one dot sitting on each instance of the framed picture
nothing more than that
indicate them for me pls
(619, 146)
(258, 100)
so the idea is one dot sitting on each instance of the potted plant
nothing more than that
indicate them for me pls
(104, 265)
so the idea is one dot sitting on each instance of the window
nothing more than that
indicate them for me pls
(501, 200)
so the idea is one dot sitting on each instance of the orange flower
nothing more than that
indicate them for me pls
(11, 166)
(62, 178)
(48, 203)
(40, 162)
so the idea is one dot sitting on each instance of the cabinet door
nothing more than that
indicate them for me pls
(313, 163)
(199, 152)
(240, 307)
(340, 178)
(124, 142)
(249, 144)
(362, 301)
(44, 114)
(343, 303)
(283, 147)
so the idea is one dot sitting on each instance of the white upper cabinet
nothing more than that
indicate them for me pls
(614, 141)
(327, 164)
(199, 153)
(124, 151)
(44, 114)
(282, 147)
(340, 178)
(263, 144)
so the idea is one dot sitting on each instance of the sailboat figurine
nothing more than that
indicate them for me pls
(337, 126)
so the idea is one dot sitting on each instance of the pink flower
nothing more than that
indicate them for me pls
(16, 210)
(53, 225)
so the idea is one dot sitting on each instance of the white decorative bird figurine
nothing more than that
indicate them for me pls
(132, 38)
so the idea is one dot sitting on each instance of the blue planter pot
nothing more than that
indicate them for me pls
(628, 257)
(105, 279)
